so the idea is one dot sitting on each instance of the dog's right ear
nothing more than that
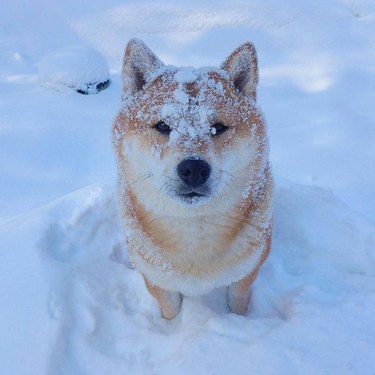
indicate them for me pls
(139, 63)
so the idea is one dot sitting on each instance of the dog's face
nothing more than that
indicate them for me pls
(190, 135)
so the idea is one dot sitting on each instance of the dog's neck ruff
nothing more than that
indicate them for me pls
(201, 271)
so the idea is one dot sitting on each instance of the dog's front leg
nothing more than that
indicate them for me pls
(239, 294)
(169, 302)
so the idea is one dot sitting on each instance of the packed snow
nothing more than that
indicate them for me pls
(70, 302)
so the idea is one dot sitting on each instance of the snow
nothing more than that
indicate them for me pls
(95, 315)
(70, 302)
(186, 75)
(80, 68)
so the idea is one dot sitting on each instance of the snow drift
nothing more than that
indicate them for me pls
(93, 315)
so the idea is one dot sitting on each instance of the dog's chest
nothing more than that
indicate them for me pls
(194, 243)
(194, 256)
(193, 236)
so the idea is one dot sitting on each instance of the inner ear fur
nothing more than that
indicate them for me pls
(139, 64)
(242, 67)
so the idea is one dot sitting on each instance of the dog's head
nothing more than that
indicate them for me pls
(190, 135)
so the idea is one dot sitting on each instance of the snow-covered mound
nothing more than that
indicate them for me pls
(81, 68)
(312, 308)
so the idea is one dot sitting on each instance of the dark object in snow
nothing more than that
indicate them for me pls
(94, 88)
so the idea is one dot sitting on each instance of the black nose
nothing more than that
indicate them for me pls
(194, 172)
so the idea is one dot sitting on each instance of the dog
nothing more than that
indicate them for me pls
(195, 184)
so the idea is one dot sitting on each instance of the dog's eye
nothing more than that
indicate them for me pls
(162, 128)
(218, 128)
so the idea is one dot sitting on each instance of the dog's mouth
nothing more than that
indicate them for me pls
(192, 197)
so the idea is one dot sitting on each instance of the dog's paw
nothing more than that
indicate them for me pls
(238, 299)
(239, 306)
(171, 307)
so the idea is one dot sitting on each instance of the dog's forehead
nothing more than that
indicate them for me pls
(190, 100)
(189, 109)
(196, 83)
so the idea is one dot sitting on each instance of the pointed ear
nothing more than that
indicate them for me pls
(242, 66)
(139, 63)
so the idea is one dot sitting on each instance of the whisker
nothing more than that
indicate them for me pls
(171, 178)
(230, 174)
(232, 177)
(144, 177)
(231, 182)
(167, 188)
(162, 186)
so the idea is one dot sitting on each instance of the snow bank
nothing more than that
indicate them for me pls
(312, 308)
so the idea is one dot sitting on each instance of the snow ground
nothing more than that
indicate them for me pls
(70, 304)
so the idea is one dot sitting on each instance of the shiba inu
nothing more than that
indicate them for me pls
(194, 178)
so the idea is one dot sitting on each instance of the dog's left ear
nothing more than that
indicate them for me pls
(139, 64)
(242, 66)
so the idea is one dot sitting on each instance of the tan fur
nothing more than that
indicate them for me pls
(239, 292)
(177, 247)
(169, 302)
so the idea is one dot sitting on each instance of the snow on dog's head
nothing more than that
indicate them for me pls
(190, 135)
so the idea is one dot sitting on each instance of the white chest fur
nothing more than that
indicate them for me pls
(191, 256)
